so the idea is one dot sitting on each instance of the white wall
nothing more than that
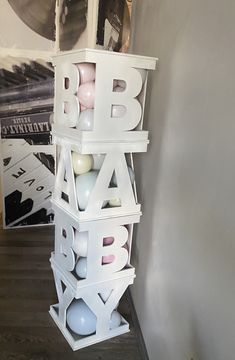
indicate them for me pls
(185, 247)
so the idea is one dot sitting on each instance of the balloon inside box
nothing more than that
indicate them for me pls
(83, 107)
(86, 96)
(95, 184)
(91, 251)
(91, 257)
(101, 92)
(77, 341)
(92, 315)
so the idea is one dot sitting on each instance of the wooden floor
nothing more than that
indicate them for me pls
(27, 331)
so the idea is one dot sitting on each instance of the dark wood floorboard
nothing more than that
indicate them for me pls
(27, 289)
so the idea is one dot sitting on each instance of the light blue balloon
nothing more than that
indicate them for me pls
(84, 186)
(131, 174)
(115, 320)
(86, 120)
(82, 321)
(80, 318)
(81, 267)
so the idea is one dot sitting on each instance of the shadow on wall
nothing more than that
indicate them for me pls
(147, 168)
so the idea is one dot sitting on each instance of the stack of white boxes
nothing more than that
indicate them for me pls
(112, 207)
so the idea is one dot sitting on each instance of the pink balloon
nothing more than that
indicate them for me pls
(86, 71)
(108, 240)
(86, 94)
(108, 259)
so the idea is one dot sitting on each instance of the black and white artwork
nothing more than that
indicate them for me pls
(113, 28)
(27, 153)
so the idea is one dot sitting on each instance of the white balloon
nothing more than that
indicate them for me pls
(84, 186)
(98, 160)
(115, 202)
(82, 163)
(118, 89)
(115, 83)
(115, 320)
(80, 318)
(118, 111)
(81, 267)
(80, 243)
(122, 84)
(143, 74)
(131, 174)
(86, 120)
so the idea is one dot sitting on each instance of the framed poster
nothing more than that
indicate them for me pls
(27, 169)
(96, 24)
(27, 153)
